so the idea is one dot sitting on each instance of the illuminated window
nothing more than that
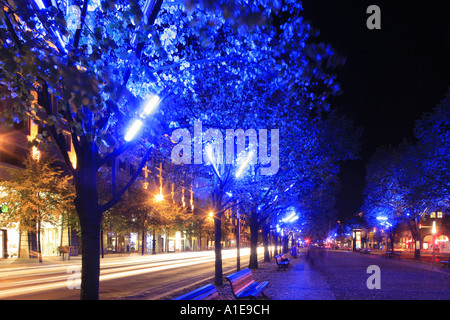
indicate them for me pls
(433, 215)
(439, 214)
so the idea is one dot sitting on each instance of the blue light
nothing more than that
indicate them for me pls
(133, 130)
(291, 218)
(151, 104)
(40, 4)
(244, 164)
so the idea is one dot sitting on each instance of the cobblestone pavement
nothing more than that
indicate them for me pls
(346, 275)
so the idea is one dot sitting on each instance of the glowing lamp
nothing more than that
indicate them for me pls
(244, 164)
(291, 218)
(133, 130)
(210, 155)
(151, 104)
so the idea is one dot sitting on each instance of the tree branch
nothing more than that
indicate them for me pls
(58, 138)
(118, 196)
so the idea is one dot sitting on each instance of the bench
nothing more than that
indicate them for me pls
(446, 263)
(281, 263)
(243, 285)
(391, 254)
(208, 292)
(66, 249)
(283, 258)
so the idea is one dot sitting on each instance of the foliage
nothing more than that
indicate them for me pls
(230, 64)
(39, 194)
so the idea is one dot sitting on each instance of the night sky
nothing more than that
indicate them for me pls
(391, 75)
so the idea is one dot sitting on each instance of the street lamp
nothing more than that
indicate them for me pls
(149, 108)
(159, 197)
(433, 232)
(244, 164)
(210, 155)
(133, 130)
(291, 218)
(151, 104)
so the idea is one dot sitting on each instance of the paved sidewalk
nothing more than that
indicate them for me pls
(300, 282)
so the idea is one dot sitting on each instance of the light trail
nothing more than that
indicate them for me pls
(13, 280)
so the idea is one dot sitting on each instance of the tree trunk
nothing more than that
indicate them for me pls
(101, 242)
(266, 230)
(218, 248)
(285, 243)
(143, 242)
(154, 242)
(90, 243)
(39, 250)
(253, 264)
(276, 238)
(86, 204)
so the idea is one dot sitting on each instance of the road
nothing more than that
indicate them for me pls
(136, 277)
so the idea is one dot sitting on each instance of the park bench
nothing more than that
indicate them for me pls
(66, 250)
(446, 263)
(281, 263)
(243, 286)
(391, 254)
(284, 258)
(208, 292)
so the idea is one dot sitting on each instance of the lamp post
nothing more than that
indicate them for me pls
(238, 240)
(149, 107)
(433, 232)
(290, 218)
(217, 202)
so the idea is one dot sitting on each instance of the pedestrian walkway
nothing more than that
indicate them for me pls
(329, 275)
(300, 282)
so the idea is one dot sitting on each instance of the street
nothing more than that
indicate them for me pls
(134, 276)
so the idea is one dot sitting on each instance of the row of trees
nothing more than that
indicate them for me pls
(233, 65)
(412, 179)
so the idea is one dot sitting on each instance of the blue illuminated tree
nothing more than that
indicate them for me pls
(432, 186)
(405, 182)
(392, 173)
(71, 79)
(84, 80)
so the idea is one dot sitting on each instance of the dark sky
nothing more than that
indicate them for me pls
(391, 75)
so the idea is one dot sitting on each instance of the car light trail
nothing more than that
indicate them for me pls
(56, 276)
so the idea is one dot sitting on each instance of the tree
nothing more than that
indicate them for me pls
(80, 76)
(92, 80)
(410, 180)
(390, 175)
(433, 133)
(39, 194)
